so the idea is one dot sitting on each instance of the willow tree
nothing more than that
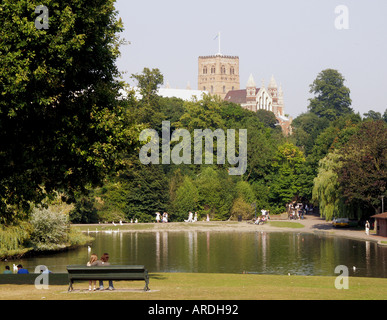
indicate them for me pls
(326, 190)
(61, 126)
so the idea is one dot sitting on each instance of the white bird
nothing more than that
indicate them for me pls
(114, 223)
(88, 248)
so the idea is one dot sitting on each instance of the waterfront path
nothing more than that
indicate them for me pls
(311, 224)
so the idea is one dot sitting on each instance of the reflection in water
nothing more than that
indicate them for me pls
(232, 252)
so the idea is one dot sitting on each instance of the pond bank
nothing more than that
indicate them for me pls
(311, 224)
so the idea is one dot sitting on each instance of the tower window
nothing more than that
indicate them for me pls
(232, 70)
(205, 70)
(224, 89)
(223, 70)
(213, 69)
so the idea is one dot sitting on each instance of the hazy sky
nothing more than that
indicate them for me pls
(292, 40)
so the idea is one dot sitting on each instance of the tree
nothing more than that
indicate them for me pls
(326, 190)
(332, 97)
(306, 128)
(363, 175)
(285, 183)
(373, 115)
(187, 199)
(148, 110)
(62, 126)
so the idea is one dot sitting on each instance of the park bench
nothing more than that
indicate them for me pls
(105, 273)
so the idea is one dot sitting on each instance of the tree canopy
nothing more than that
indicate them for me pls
(62, 125)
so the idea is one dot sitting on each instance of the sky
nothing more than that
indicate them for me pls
(292, 40)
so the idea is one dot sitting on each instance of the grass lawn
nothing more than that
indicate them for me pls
(286, 224)
(199, 286)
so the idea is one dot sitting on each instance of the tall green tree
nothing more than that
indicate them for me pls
(61, 126)
(363, 175)
(326, 190)
(332, 98)
(285, 181)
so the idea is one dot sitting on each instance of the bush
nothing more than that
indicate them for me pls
(241, 208)
(50, 229)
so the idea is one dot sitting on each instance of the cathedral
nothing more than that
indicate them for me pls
(219, 75)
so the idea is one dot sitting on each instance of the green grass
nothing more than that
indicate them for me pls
(286, 224)
(201, 286)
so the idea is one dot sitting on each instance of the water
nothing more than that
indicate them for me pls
(227, 252)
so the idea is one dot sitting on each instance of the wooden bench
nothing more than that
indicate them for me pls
(104, 273)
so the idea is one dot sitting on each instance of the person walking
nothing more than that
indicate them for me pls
(367, 228)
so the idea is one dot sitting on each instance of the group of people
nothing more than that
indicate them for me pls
(103, 261)
(163, 218)
(194, 217)
(263, 218)
(296, 211)
(20, 270)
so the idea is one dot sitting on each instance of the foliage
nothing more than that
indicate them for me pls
(62, 124)
(50, 229)
(326, 190)
(286, 167)
(187, 199)
(363, 175)
(332, 97)
(14, 237)
(241, 208)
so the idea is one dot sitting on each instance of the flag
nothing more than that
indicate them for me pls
(217, 36)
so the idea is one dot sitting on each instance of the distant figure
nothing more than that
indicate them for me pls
(7, 270)
(208, 217)
(190, 216)
(195, 217)
(367, 228)
(93, 260)
(157, 217)
(21, 270)
(165, 217)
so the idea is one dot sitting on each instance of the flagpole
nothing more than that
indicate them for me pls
(219, 44)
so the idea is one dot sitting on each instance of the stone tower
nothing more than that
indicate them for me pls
(218, 74)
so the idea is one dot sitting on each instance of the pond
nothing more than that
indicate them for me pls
(227, 252)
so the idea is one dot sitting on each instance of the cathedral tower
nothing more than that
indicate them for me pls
(218, 74)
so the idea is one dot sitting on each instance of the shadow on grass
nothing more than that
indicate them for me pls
(157, 276)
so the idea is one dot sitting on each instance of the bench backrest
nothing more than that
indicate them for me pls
(81, 272)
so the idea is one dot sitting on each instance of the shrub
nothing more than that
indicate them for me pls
(50, 229)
